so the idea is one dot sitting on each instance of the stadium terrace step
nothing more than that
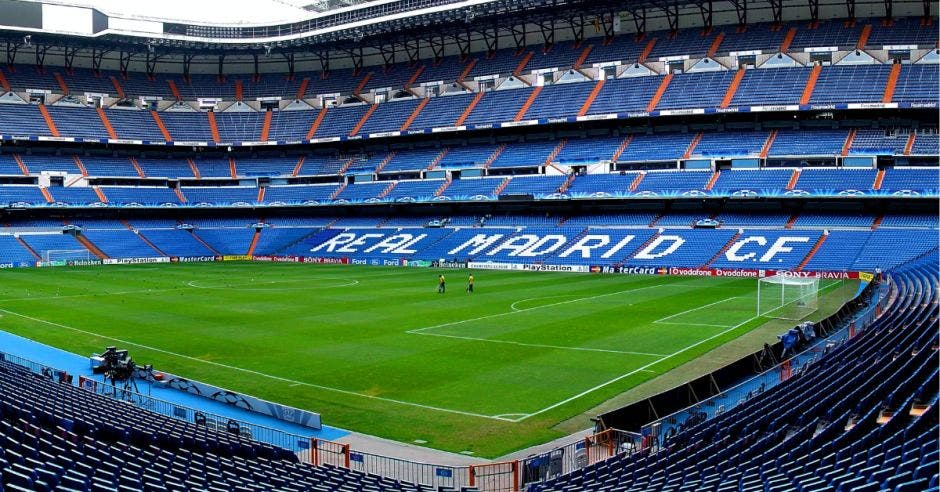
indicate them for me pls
(362, 84)
(414, 77)
(555, 152)
(495, 155)
(466, 71)
(91, 247)
(117, 87)
(892, 83)
(46, 194)
(810, 84)
(466, 112)
(848, 142)
(28, 248)
(143, 238)
(302, 90)
(768, 144)
(266, 126)
(440, 191)
(528, 103)
(254, 242)
(656, 220)
(863, 37)
(792, 220)
(174, 90)
(161, 126)
(414, 114)
(213, 126)
(522, 63)
(591, 97)
(179, 195)
(100, 194)
(48, 119)
(879, 179)
(794, 178)
(61, 81)
(711, 181)
(438, 158)
(80, 165)
(21, 164)
(723, 249)
(346, 165)
(4, 83)
(337, 191)
(316, 123)
(910, 143)
(298, 166)
(204, 243)
(621, 149)
(388, 190)
(239, 90)
(732, 88)
(232, 167)
(716, 43)
(877, 222)
(107, 124)
(636, 181)
(692, 145)
(654, 101)
(261, 192)
(362, 121)
(809, 256)
(583, 56)
(564, 186)
(788, 40)
(193, 168)
(502, 186)
(388, 158)
(647, 50)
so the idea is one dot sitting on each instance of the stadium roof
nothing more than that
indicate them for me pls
(204, 11)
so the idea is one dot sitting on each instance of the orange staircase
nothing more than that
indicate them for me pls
(788, 40)
(567, 184)
(502, 186)
(791, 221)
(61, 81)
(892, 83)
(49, 123)
(300, 164)
(231, 167)
(80, 165)
(107, 124)
(437, 159)
(414, 114)
(388, 158)
(204, 243)
(239, 90)
(19, 162)
(362, 121)
(91, 247)
(712, 180)
(879, 179)
(848, 142)
(100, 194)
(863, 37)
(495, 155)
(440, 191)
(174, 90)
(28, 248)
(659, 92)
(622, 148)
(179, 195)
(254, 241)
(583, 56)
(466, 112)
(528, 103)
(302, 90)
(140, 171)
(4, 83)
(813, 251)
(647, 50)
(161, 126)
(695, 141)
(791, 185)
(555, 151)
(909, 146)
(522, 63)
(414, 76)
(636, 181)
(194, 169)
(715, 44)
(877, 222)
(316, 123)
(143, 238)
(810, 84)
(260, 198)
(387, 190)
(362, 84)
(732, 88)
(337, 191)
(266, 126)
(591, 97)
(213, 127)
(768, 144)
(466, 71)
(46, 194)
(723, 249)
(346, 165)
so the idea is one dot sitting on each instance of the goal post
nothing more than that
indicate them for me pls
(66, 254)
(786, 297)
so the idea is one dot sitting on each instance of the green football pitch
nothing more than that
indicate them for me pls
(378, 350)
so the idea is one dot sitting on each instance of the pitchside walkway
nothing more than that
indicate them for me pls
(79, 365)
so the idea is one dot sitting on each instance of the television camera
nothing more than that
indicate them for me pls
(118, 368)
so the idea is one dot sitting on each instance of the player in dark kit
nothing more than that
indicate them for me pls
(440, 284)
(470, 284)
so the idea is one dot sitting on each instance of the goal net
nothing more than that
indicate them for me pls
(66, 254)
(785, 297)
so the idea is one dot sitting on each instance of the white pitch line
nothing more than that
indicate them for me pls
(660, 320)
(690, 324)
(257, 373)
(539, 345)
(514, 308)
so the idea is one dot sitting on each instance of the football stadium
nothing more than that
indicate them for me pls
(469, 245)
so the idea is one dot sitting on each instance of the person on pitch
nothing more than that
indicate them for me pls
(440, 284)
(470, 284)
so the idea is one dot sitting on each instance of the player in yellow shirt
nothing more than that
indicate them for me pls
(470, 284)
(440, 284)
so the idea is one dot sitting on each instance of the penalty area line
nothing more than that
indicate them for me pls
(292, 382)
